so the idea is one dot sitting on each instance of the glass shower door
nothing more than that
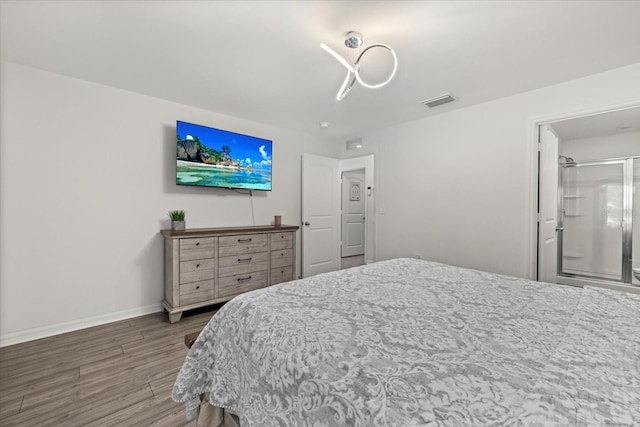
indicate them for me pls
(635, 220)
(592, 212)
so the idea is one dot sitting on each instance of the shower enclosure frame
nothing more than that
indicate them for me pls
(627, 163)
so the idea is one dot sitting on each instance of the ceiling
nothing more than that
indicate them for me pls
(261, 60)
(604, 124)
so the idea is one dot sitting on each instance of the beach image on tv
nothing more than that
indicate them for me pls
(211, 157)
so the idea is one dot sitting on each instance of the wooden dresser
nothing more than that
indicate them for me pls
(205, 266)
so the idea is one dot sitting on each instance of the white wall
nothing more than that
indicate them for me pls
(625, 144)
(87, 175)
(86, 179)
(458, 187)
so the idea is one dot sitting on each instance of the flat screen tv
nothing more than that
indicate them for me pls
(209, 157)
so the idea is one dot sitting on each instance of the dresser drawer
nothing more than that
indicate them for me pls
(194, 292)
(191, 270)
(199, 248)
(281, 258)
(240, 264)
(282, 274)
(281, 241)
(240, 283)
(242, 244)
(244, 259)
(197, 265)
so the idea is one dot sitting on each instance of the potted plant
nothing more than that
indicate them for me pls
(177, 220)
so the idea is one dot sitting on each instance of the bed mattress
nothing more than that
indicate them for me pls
(409, 342)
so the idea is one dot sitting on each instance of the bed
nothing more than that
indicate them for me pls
(409, 342)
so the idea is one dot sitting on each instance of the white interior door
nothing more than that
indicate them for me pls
(320, 214)
(548, 208)
(365, 164)
(353, 208)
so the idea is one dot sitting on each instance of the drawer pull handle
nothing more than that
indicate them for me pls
(282, 237)
(244, 259)
(244, 279)
(197, 265)
(244, 240)
(282, 254)
(282, 271)
(197, 243)
(198, 287)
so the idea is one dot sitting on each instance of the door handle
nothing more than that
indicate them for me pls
(559, 228)
(307, 223)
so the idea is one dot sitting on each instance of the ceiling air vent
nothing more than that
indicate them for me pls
(438, 100)
(354, 144)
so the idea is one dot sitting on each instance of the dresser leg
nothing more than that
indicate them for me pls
(175, 317)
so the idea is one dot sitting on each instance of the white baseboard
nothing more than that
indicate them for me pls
(61, 328)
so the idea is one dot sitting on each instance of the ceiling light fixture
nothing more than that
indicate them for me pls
(353, 41)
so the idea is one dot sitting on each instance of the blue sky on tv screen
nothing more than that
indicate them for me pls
(244, 148)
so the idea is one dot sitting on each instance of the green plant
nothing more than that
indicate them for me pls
(176, 215)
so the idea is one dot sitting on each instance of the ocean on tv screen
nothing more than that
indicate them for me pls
(192, 173)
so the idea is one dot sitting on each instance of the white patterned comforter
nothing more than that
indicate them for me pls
(410, 343)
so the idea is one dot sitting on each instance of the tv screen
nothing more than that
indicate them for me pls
(209, 157)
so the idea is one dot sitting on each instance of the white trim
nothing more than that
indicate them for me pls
(61, 328)
(534, 123)
(549, 119)
(533, 198)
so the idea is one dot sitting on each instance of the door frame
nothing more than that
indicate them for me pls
(365, 162)
(533, 136)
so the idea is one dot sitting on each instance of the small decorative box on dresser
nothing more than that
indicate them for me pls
(210, 265)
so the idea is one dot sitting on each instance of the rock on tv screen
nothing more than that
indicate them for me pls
(209, 157)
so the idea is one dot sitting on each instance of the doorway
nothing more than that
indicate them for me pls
(353, 219)
(321, 211)
(588, 174)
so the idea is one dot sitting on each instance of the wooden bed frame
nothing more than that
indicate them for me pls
(189, 339)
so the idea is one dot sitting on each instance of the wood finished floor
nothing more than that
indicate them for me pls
(119, 374)
(351, 261)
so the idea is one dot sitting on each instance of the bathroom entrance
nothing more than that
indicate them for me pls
(589, 200)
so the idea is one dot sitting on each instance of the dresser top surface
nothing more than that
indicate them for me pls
(219, 231)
